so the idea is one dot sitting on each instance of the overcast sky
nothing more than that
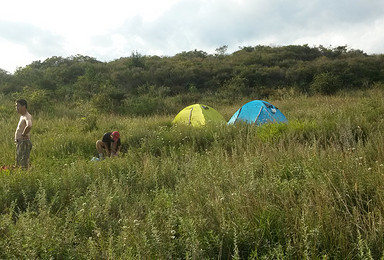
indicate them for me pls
(107, 30)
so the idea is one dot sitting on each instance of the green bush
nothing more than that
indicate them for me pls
(326, 83)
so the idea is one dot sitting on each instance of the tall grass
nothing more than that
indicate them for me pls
(312, 188)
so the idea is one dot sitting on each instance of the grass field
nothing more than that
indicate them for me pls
(309, 189)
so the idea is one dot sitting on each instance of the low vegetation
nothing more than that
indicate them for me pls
(309, 189)
(137, 85)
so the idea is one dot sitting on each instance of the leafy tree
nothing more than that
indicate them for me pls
(221, 51)
(38, 99)
(6, 85)
(326, 83)
(192, 55)
(234, 89)
(136, 60)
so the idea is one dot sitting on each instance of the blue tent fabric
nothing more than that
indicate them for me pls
(258, 112)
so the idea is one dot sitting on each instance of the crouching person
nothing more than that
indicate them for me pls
(109, 145)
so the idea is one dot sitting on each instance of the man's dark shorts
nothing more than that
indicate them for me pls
(23, 150)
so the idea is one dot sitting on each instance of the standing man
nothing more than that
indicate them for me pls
(22, 135)
(110, 143)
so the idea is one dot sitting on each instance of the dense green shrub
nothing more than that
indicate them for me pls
(258, 71)
(326, 83)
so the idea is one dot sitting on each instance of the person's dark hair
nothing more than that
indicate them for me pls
(22, 102)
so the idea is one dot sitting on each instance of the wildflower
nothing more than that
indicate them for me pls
(369, 168)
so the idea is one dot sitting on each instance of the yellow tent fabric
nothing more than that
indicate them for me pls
(198, 115)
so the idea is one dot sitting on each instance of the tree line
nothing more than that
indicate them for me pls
(257, 71)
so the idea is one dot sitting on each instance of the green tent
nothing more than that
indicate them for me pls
(198, 115)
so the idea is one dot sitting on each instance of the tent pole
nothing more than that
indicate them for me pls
(190, 116)
(237, 115)
(258, 114)
(274, 120)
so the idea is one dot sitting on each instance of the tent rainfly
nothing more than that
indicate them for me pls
(258, 112)
(198, 115)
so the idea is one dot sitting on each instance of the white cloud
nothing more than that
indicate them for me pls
(19, 57)
(35, 30)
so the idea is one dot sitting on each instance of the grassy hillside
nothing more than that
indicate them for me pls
(312, 188)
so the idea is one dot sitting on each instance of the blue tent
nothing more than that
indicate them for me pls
(258, 112)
